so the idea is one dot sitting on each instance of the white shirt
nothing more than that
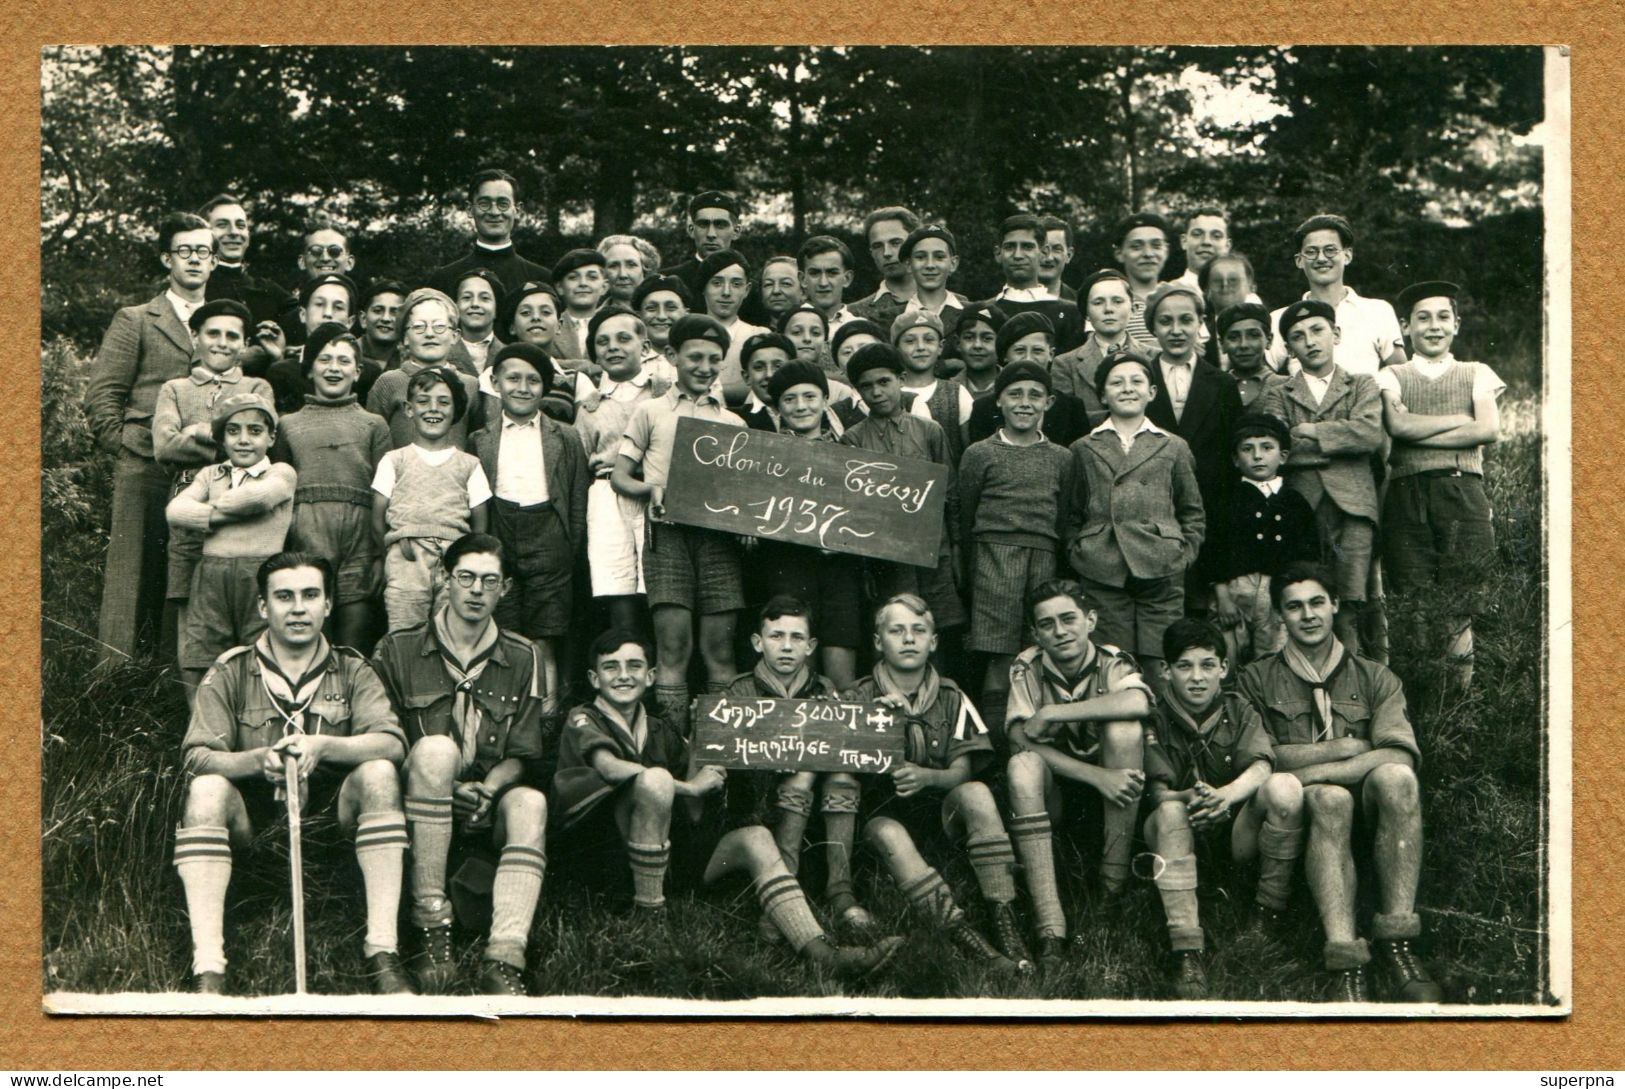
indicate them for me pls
(256, 470)
(383, 482)
(626, 390)
(838, 319)
(183, 310)
(1177, 377)
(521, 472)
(1036, 293)
(967, 403)
(953, 298)
(1317, 386)
(1485, 381)
(1368, 333)
(480, 350)
(1268, 487)
(1127, 442)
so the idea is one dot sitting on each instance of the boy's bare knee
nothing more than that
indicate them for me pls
(1282, 794)
(379, 783)
(840, 779)
(433, 762)
(208, 800)
(975, 801)
(757, 843)
(885, 834)
(801, 780)
(655, 786)
(1122, 738)
(1329, 806)
(1025, 774)
(524, 809)
(1394, 786)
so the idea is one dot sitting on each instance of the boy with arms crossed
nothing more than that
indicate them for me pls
(1335, 421)
(1339, 724)
(470, 696)
(933, 790)
(1441, 413)
(1073, 721)
(686, 570)
(1210, 764)
(291, 694)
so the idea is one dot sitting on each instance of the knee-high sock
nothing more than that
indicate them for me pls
(514, 893)
(203, 861)
(430, 822)
(994, 861)
(380, 845)
(783, 902)
(1032, 836)
(671, 701)
(649, 862)
(1279, 849)
(795, 809)
(840, 809)
(1176, 884)
(929, 894)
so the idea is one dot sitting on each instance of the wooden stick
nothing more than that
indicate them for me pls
(290, 768)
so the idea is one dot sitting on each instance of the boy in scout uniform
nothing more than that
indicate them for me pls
(1339, 724)
(291, 694)
(470, 696)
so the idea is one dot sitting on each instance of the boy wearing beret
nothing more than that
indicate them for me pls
(242, 508)
(1441, 413)
(537, 470)
(917, 336)
(1369, 333)
(530, 314)
(1028, 337)
(335, 446)
(1244, 338)
(1141, 242)
(713, 224)
(1021, 240)
(182, 435)
(1011, 486)
(660, 300)
(1265, 527)
(1335, 422)
(582, 284)
(690, 573)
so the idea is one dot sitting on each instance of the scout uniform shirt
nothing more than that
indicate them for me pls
(648, 740)
(1366, 701)
(748, 794)
(501, 696)
(1228, 740)
(1036, 681)
(941, 722)
(240, 707)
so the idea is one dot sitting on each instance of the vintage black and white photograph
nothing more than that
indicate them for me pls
(911, 530)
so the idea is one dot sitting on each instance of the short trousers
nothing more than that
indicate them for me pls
(185, 549)
(318, 800)
(1133, 616)
(342, 532)
(537, 605)
(832, 583)
(615, 536)
(593, 850)
(1002, 577)
(224, 610)
(1437, 531)
(1261, 632)
(1346, 542)
(698, 569)
(414, 589)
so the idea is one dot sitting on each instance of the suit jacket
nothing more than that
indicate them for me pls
(1137, 513)
(1349, 430)
(565, 461)
(144, 347)
(1212, 409)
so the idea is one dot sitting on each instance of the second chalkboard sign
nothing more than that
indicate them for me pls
(819, 494)
(796, 735)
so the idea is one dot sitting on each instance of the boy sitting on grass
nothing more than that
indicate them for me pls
(932, 791)
(426, 495)
(617, 783)
(1074, 721)
(291, 694)
(785, 642)
(335, 445)
(241, 508)
(1209, 766)
(470, 696)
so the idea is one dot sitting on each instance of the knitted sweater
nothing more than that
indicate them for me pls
(1014, 493)
(429, 500)
(336, 447)
(183, 402)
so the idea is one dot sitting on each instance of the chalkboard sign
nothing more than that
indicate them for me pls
(820, 494)
(796, 735)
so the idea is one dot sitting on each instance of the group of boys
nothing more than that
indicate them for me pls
(541, 406)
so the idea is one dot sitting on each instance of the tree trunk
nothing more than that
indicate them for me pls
(1131, 158)
(798, 172)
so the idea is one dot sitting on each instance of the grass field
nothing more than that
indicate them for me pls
(114, 917)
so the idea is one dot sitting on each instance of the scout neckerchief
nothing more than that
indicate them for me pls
(770, 680)
(637, 731)
(1202, 733)
(291, 697)
(916, 706)
(1300, 665)
(465, 712)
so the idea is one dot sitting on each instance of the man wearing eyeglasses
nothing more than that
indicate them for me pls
(144, 347)
(470, 698)
(228, 219)
(493, 201)
(1368, 329)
